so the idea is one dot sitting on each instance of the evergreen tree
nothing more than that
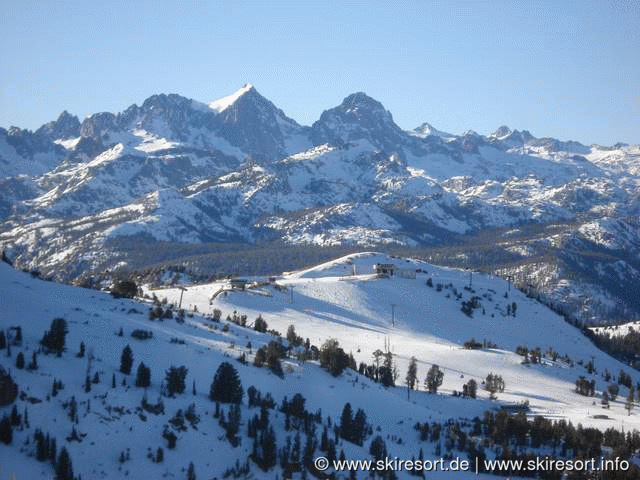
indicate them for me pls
(6, 430)
(143, 376)
(260, 325)
(269, 449)
(80, 353)
(64, 469)
(385, 374)
(359, 427)
(53, 339)
(175, 380)
(412, 375)
(8, 388)
(33, 365)
(53, 449)
(292, 337)
(470, 389)
(333, 358)
(124, 289)
(346, 423)
(42, 446)
(73, 409)
(630, 399)
(15, 418)
(17, 339)
(494, 384)
(613, 390)
(3, 340)
(126, 360)
(20, 361)
(232, 426)
(434, 379)
(378, 449)
(226, 386)
(191, 472)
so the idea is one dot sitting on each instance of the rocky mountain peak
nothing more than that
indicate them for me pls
(65, 127)
(252, 123)
(358, 117)
(502, 131)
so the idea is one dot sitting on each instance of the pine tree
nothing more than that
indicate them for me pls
(359, 427)
(191, 472)
(113, 380)
(333, 358)
(73, 409)
(346, 423)
(20, 361)
(8, 388)
(175, 380)
(260, 325)
(16, 421)
(232, 425)
(42, 446)
(630, 399)
(494, 384)
(470, 389)
(6, 431)
(309, 451)
(64, 469)
(126, 360)
(53, 449)
(378, 449)
(17, 339)
(143, 376)
(53, 339)
(385, 374)
(33, 365)
(3, 340)
(434, 379)
(226, 386)
(412, 375)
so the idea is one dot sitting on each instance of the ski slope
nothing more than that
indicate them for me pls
(328, 301)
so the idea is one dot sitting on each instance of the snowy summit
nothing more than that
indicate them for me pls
(225, 102)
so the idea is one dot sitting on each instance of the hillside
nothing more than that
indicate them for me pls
(117, 436)
(328, 301)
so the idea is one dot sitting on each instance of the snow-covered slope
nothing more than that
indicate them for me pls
(365, 313)
(113, 436)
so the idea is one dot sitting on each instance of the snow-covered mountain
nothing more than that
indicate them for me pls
(113, 423)
(238, 169)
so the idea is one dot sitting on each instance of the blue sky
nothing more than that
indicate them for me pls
(564, 69)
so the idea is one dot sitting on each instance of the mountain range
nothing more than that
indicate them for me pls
(558, 217)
